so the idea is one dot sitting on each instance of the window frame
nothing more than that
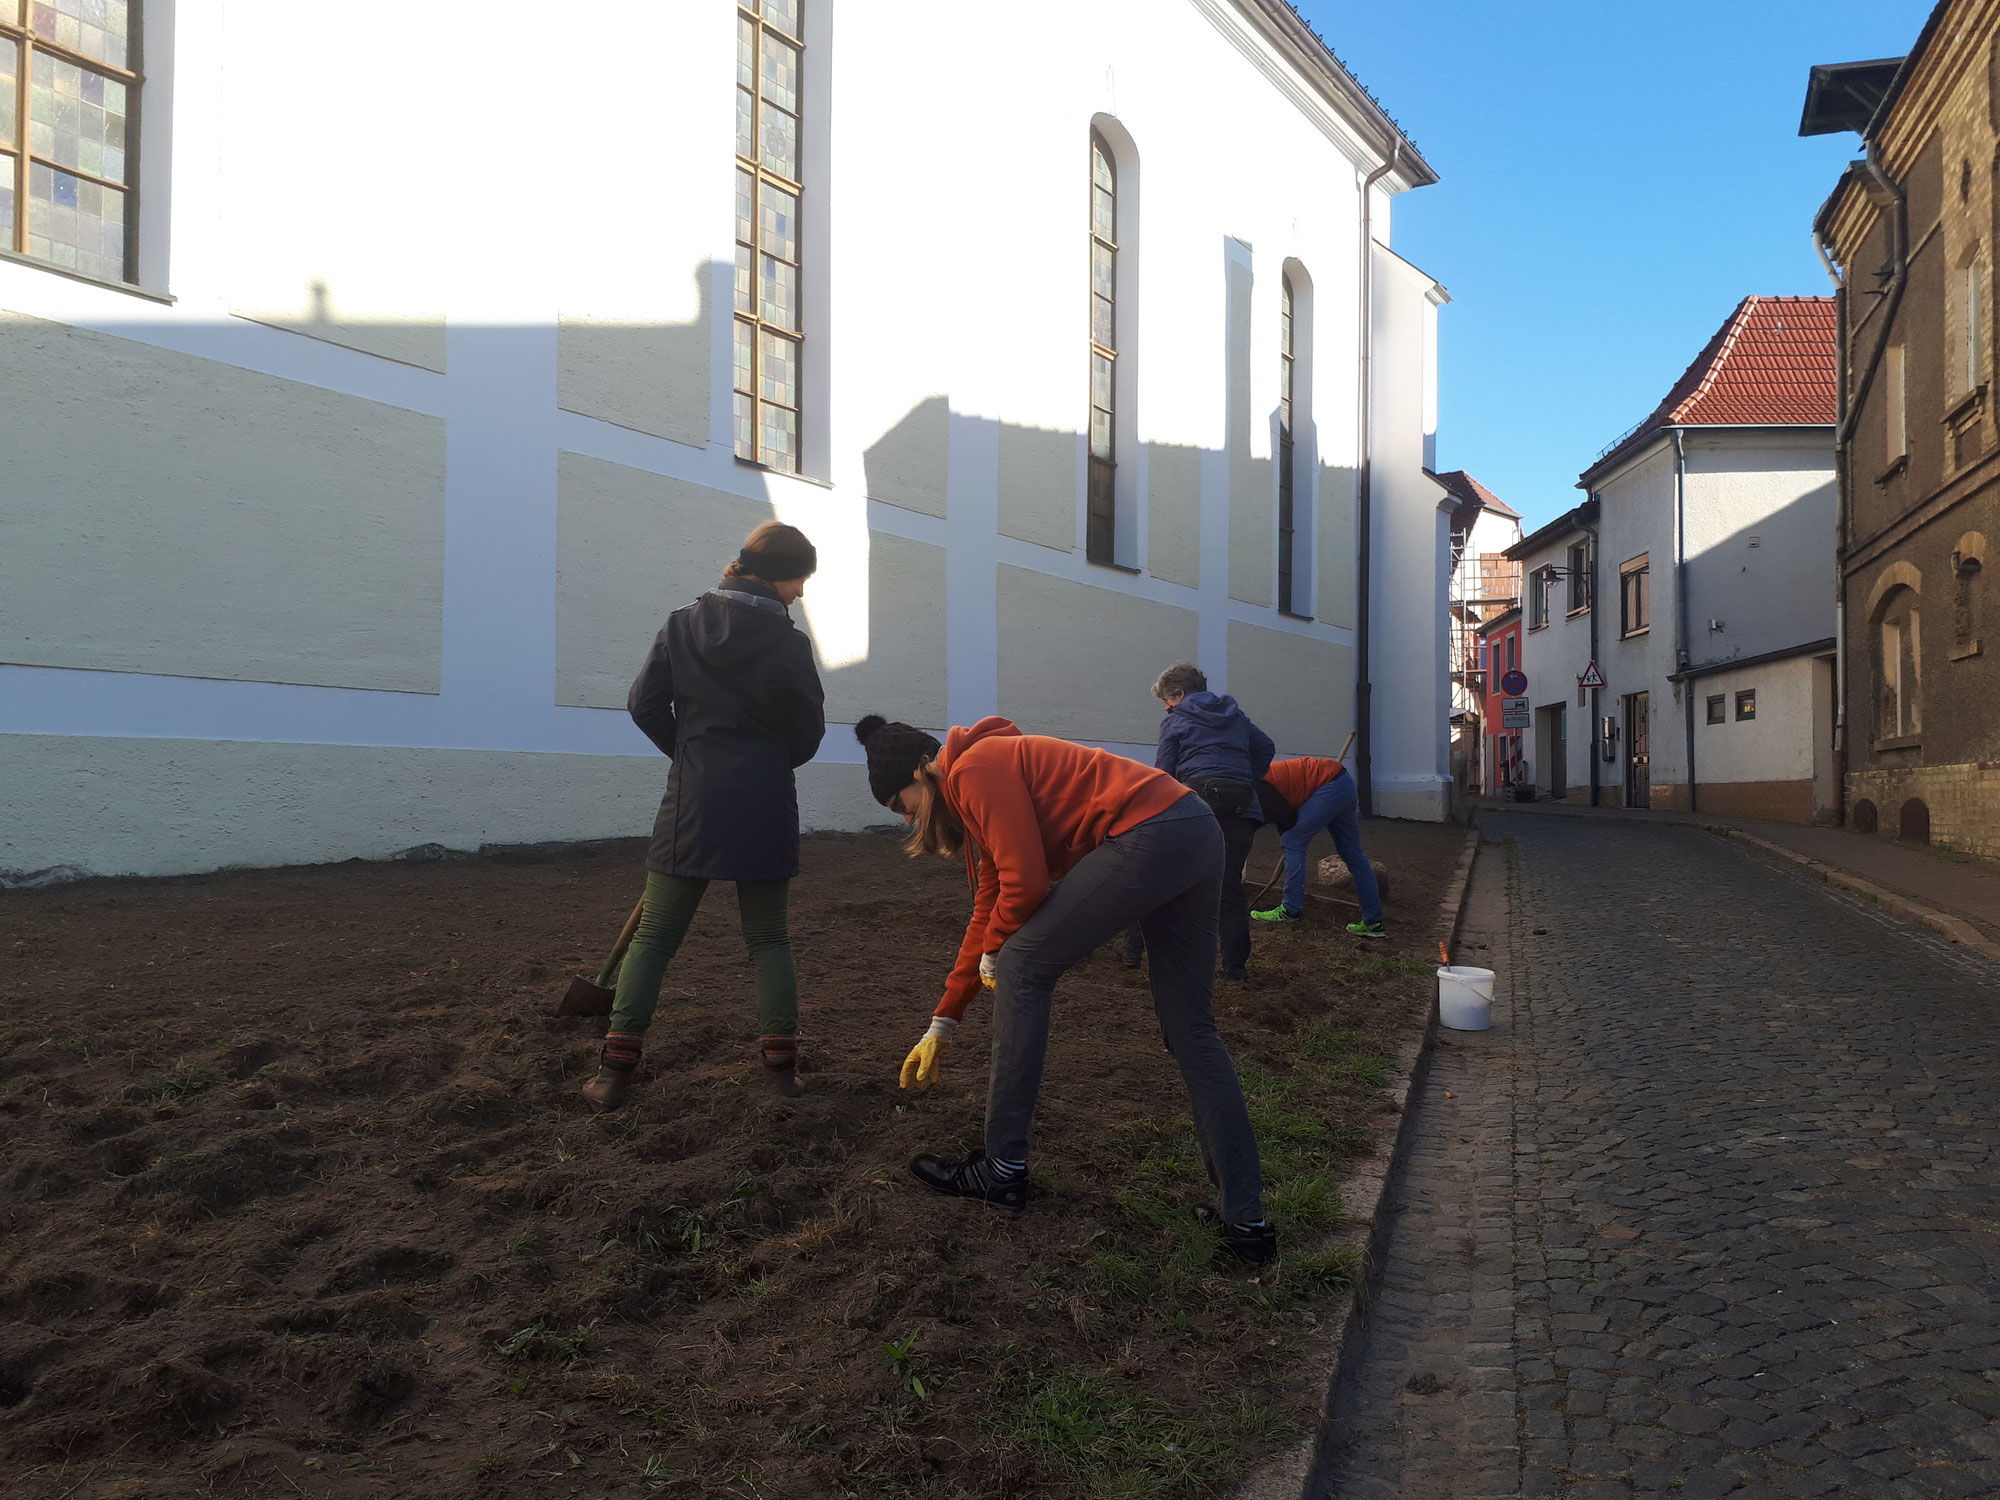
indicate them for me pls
(1100, 536)
(1895, 402)
(748, 311)
(1635, 581)
(21, 154)
(1579, 577)
(1975, 322)
(1718, 708)
(1541, 584)
(1746, 705)
(1287, 373)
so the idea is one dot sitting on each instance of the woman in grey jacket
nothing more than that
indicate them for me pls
(729, 692)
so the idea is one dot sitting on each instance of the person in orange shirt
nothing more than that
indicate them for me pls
(1323, 794)
(1128, 844)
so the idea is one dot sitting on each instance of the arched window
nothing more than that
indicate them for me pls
(1286, 356)
(1295, 440)
(1898, 665)
(1101, 523)
(769, 48)
(1968, 561)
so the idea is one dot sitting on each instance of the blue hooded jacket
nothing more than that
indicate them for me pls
(1204, 736)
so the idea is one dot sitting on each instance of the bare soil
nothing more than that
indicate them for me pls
(297, 1195)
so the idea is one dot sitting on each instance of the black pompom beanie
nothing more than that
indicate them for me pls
(894, 753)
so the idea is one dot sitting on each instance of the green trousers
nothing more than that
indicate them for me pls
(671, 901)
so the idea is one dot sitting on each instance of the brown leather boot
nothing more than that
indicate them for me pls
(615, 1065)
(781, 1065)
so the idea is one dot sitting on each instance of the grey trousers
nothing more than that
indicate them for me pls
(1166, 876)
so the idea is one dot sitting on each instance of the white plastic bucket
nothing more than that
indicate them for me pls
(1465, 998)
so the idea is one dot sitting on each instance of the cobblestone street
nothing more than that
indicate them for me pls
(1711, 1210)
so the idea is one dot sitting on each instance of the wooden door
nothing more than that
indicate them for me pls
(1638, 753)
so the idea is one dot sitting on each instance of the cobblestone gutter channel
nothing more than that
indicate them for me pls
(1363, 1195)
(1710, 1211)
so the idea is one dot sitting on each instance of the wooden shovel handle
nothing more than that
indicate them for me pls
(624, 942)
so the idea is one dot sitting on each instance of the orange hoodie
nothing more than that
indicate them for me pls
(1033, 806)
(1299, 779)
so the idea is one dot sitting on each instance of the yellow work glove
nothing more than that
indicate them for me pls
(920, 1068)
(989, 970)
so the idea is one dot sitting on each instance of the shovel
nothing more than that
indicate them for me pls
(593, 997)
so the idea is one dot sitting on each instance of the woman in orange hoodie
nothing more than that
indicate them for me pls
(1129, 844)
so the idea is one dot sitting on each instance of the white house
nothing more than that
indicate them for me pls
(355, 452)
(1714, 573)
(1484, 584)
(1558, 643)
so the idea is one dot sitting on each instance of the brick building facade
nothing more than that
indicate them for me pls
(1913, 231)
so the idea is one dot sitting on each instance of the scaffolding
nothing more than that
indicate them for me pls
(1481, 586)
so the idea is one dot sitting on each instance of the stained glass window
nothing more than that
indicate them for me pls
(769, 330)
(68, 86)
(1101, 519)
(1285, 372)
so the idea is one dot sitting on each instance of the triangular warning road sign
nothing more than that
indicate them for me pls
(1591, 677)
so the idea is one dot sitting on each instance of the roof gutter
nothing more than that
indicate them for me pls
(1364, 708)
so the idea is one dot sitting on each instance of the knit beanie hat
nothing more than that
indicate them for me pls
(894, 753)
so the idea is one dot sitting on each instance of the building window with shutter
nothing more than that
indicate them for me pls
(1579, 577)
(1635, 603)
(69, 98)
(769, 50)
(1975, 322)
(1895, 391)
(1541, 584)
(1899, 667)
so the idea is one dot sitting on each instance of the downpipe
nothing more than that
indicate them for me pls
(1596, 694)
(1843, 479)
(1364, 697)
(1681, 607)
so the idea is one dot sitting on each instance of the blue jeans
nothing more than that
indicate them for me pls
(1331, 808)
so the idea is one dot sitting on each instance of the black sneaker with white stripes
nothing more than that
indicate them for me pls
(1256, 1244)
(977, 1175)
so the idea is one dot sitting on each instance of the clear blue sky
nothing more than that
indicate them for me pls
(1616, 176)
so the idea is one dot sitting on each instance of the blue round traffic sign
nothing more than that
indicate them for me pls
(1513, 684)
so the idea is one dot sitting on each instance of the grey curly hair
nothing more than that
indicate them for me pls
(1182, 678)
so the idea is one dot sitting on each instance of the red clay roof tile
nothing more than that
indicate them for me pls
(1774, 363)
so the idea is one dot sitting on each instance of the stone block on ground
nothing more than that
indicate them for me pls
(1334, 874)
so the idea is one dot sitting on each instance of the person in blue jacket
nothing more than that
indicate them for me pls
(1211, 746)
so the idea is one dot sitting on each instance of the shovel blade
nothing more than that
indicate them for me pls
(585, 997)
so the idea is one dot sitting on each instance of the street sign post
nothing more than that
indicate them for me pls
(1514, 683)
(1515, 713)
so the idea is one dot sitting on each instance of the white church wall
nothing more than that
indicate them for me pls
(573, 377)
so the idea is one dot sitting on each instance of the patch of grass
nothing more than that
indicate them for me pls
(488, 1465)
(1302, 1203)
(1121, 1276)
(1114, 1442)
(184, 1082)
(538, 1341)
(1324, 1271)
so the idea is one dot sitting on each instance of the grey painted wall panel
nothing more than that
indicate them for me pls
(1079, 661)
(1173, 505)
(906, 466)
(165, 513)
(1038, 485)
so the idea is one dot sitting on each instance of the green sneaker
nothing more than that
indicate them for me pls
(1278, 914)
(1367, 929)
